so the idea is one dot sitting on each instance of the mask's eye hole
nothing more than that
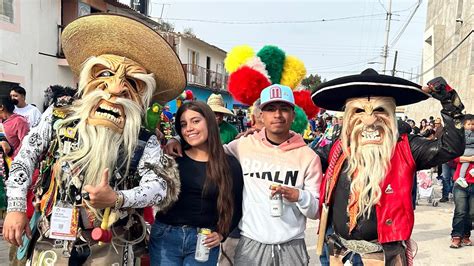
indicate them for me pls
(105, 74)
(380, 110)
(359, 110)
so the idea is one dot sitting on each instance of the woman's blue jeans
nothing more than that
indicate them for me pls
(176, 245)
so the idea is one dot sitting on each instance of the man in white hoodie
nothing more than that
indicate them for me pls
(275, 155)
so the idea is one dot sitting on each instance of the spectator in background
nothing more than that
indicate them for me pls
(30, 112)
(15, 127)
(423, 126)
(463, 199)
(438, 128)
(227, 132)
(469, 151)
(414, 129)
(447, 180)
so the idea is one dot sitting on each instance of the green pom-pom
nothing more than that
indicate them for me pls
(301, 121)
(274, 59)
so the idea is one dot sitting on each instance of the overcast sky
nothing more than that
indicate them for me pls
(350, 40)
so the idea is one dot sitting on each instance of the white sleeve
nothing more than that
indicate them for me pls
(308, 202)
(35, 118)
(32, 147)
(152, 188)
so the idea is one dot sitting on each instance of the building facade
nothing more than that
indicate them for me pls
(448, 51)
(31, 54)
(204, 67)
(28, 56)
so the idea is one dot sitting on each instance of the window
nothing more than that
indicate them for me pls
(6, 11)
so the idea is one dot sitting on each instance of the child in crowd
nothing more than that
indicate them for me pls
(469, 132)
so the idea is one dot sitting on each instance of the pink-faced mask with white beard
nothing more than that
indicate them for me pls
(369, 136)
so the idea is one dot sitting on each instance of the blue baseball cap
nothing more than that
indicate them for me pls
(276, 93)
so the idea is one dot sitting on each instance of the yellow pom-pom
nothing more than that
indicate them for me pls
(293, 72)
(237, 57)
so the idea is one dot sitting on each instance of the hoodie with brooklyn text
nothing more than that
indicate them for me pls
(291, 164)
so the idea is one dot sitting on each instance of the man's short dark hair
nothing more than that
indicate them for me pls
(19, 89)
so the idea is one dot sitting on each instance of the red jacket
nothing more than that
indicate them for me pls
(395, 217)
(469, 177)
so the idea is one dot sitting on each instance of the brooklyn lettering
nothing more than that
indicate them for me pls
(276, 177)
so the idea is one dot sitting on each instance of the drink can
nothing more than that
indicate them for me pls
(276, 203)
(202, 252)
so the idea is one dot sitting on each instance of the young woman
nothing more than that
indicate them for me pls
(15, 127)
(423, 126)
(211, 192)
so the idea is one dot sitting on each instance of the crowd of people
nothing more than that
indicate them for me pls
(85, 181)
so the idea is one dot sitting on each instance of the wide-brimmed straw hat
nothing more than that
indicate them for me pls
(106, 33)
(216, 102)
(332, 95)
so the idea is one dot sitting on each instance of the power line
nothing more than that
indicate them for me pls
(240, 22)
(402, 30)
(446, 56)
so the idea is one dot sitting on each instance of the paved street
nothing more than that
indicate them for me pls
(432, 233)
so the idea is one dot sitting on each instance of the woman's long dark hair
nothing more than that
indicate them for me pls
(421, 123)
(217, 170)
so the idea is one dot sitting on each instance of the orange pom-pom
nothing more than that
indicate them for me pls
(303, 100)
(245, 85)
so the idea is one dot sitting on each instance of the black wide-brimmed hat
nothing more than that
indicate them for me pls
(332, 95)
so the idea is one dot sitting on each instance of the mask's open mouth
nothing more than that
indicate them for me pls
(108, 114)
(371, 137)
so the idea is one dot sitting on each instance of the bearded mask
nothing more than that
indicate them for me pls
(120, 79)
(114, 92)
(369, 137)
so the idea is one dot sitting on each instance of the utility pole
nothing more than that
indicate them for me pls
(162, 9)
(387, 34)
(394, 63)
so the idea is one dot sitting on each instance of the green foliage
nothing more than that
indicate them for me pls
(311, 81)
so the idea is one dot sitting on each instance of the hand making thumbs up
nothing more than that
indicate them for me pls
(102, 195)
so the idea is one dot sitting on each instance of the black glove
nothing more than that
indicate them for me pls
(448, 97)
(440, 88)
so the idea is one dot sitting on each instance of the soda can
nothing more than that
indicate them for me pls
(202, 252)
(276, 203)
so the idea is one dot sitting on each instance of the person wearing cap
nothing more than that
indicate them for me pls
(274, 161)
(227, 131)
(98, 168)
(368, 182)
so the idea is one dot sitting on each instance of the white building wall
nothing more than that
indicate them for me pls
(217, 56)
(448, 22)
(37, 33)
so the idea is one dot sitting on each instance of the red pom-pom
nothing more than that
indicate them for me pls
(189, 95)
(303, 100)
(245, 85)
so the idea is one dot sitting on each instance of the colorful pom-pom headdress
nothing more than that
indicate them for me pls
(251, 72)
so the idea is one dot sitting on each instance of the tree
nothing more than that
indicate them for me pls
(165, 26)
(189, 31)
(311, 81)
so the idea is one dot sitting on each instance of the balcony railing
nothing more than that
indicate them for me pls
(198, 75)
